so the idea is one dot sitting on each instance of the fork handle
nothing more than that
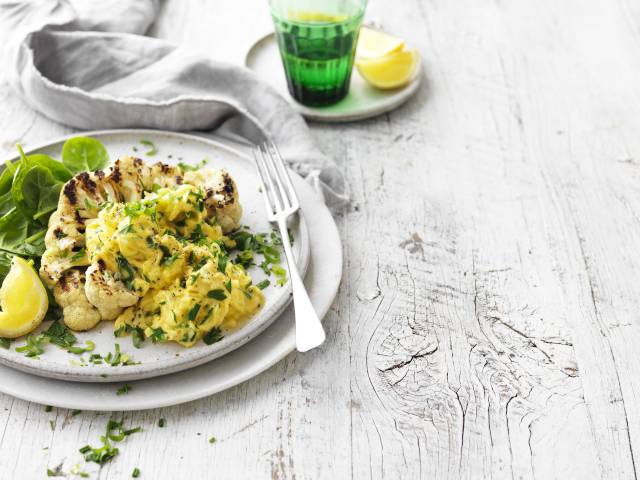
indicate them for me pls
(309, 331)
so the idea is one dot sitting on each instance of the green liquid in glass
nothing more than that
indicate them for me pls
(318, 58)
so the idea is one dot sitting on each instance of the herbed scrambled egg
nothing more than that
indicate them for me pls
(164, 249)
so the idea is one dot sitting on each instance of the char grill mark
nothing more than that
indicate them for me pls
(70, 192)
(88, 184)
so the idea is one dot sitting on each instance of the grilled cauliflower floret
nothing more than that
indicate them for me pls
(110, 296)
(78, 313)
(221, 198)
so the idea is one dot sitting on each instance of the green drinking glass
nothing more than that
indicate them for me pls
(317, 41)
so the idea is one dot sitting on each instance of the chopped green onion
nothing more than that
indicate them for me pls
(152, 147)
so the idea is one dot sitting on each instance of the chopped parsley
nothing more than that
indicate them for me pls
(152, 147)
(137, 334)
(248, 244)
(100, 455)
(127, 274)
(90, 347)
(123, 389)
(280, 273)
(79, 255)
(222, 263)
(126, 229)
(115, 432)
(89, 205)
(217, 294)
(116, 358)
(34, 346)
(185, 167)
(75, 470)
(193, 313)
(212, 336)
(158, 335)
(56, 472)
(60, 335)
(170, 259)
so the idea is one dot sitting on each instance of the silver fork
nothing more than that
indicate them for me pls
(281, 201)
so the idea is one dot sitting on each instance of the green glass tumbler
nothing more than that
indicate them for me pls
(317, 41)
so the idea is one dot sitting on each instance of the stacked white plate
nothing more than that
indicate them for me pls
(167, 373)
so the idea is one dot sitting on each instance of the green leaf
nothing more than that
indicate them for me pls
(6, 179)
(60, 335)
(217, 294)
(123, 389)
(34, 346)
(185, 167)
(57, 169)
(193, 313)
(84, 154)
(5, 264)
(14, 231)
(213, 336)
(36, 193)
(152, 147)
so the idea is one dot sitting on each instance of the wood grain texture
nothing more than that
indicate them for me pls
(487, 325)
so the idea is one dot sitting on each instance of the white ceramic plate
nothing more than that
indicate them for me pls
(362, 101)
(277, 341)
(165, 358)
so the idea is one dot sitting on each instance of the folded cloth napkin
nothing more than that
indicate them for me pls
(87, 64)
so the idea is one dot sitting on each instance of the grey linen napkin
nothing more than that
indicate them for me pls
(87, 64)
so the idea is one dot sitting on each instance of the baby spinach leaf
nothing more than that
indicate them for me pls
(36, 185)
(6, 179)
(5, 264)
(35, 192)
(84, 154)
(13, 231)
(17, 236)
(57, 169)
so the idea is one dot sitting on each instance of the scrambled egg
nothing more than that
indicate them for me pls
(171, 259)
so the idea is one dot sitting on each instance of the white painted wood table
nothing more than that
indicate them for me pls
(488, 324)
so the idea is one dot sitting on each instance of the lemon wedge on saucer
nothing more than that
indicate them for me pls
(23, 299)
(375, 43)
(393, 70)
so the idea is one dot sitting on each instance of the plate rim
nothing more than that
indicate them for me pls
(167, 366)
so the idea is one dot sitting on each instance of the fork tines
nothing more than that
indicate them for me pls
(279, 194)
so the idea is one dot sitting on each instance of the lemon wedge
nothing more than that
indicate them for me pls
(390, 71)
(23, 299)
(374, 43)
